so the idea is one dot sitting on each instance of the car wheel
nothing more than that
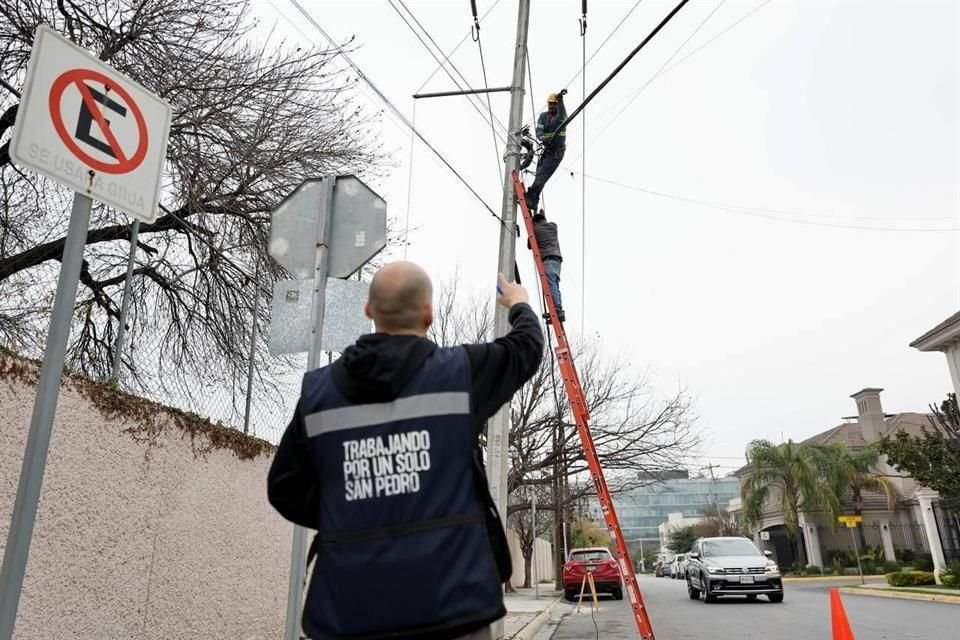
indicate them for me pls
(708, 597)
(618, 594)
(693, 592)
(775, 597)
(569, 595)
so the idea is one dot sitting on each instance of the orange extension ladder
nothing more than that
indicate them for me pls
(581, 413)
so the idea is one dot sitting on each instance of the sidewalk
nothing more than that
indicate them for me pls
(930, 594)
(524, 611)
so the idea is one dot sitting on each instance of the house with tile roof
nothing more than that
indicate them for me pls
(888, 532)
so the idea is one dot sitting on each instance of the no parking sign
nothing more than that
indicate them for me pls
(91, 128)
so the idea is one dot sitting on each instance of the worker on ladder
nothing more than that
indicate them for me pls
(554, 145)
(549, 245)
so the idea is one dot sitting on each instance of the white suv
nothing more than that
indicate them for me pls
(731, 566)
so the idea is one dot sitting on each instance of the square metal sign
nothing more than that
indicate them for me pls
(90, 128)
(343, 318)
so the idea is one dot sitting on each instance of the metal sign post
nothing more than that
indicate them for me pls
(533, 552)
(41, 423)
(329, 226)
(852, 522)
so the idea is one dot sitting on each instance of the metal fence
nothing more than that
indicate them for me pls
(248, 390)
(837, 544)
(947, 514)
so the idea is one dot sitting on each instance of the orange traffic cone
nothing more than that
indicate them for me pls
(838, 618)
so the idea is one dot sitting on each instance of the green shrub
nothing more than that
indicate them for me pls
(923, 562)
(868, 565)
(904, 556)
(910, 579)
(813, 570)
(891, 567)
(951, 576)
(796, 568)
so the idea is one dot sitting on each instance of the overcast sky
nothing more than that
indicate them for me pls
(806, 167)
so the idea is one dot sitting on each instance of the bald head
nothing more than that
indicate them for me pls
(401, 299)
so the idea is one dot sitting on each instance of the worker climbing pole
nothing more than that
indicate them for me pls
(581, 415)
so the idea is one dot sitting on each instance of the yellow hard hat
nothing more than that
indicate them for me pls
(551, 97)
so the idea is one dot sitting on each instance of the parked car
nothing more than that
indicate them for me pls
(731, 566)
(662, 568)
(597, 561)
(678, 566)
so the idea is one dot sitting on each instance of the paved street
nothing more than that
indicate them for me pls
(804, 615)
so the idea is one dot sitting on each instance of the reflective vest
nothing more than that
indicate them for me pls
(402, 544)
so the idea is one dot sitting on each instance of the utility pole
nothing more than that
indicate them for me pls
(498, 429)
(713, 486)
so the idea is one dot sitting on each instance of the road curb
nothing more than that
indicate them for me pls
(529, 630)
(827, 579)
(902, 595)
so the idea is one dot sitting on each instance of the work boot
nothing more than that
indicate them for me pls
(531, 205)
(561, 315)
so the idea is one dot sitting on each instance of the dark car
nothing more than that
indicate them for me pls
(731, 566)
(597, 561)
(662, 569)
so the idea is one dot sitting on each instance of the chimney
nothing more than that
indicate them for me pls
(870, 414)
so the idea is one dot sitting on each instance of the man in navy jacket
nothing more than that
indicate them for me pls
(382, 458)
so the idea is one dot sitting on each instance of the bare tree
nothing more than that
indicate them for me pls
(521, 520)
(250, 122)
(637, 433)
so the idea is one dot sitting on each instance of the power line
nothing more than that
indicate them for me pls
(663, 72)
(619, 68)
(583, 168)
(470, 98)
(446, 57)
(654, 76)
(605, 41)
(758, 214)
(483, 67)
(392, 107)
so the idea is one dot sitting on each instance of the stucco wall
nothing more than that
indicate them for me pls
(142, 535)
(543, 557)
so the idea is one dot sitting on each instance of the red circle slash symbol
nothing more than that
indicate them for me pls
(91, 105)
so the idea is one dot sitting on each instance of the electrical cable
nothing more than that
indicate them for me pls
(446, 57)
(483, 67)
(583, 179)
(406, 224)
(607, 39)
(470, 98)
(760, 214)
(619, 68)
(393, 108)
(637, 93)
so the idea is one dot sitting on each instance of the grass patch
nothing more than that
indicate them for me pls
(938, 588)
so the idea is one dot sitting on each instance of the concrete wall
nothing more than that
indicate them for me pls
(543, 556)
(142, 533)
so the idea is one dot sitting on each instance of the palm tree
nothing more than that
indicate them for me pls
(790, 477)
(855, 471)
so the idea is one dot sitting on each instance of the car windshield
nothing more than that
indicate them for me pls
(729, 548)
(589, 556)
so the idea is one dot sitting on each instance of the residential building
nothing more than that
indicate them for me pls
(893, 530)
(944, 337)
